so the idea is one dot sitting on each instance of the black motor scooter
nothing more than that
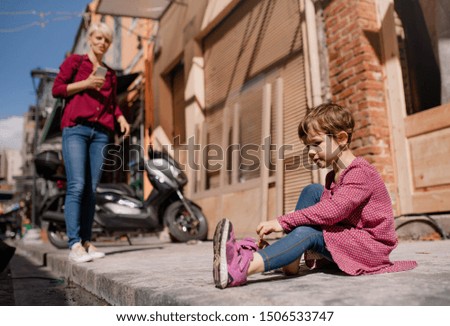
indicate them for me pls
(120, 212)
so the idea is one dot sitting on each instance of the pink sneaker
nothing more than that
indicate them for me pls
(231, 258)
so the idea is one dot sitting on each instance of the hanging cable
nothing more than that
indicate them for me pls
(23, 27)
(45, 18)
(39, 13)
(60, 16)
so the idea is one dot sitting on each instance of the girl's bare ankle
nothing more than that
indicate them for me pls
(256, 265)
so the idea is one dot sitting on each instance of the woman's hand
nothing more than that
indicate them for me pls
(94, 82)
(124, 126)
(268, 227)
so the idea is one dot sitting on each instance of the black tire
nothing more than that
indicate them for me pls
(57, 236)
(182, 226)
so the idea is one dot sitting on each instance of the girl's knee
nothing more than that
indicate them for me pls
(306, 232)
(300, 231)
(309, 196)
(313, 189)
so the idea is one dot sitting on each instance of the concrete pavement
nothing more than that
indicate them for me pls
(152, 272)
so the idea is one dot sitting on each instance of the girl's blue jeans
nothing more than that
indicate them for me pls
(291, 247)
(83, 148)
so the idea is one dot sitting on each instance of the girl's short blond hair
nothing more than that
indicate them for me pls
(328, 118)
(102, 28)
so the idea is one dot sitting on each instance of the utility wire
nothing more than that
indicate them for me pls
(59, 16)
(39, 13)
(63, 15)
(23, 27)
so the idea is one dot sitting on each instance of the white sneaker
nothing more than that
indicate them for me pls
(93, 251)
(78, 254)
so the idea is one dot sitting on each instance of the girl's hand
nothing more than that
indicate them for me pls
(94, 82)
(124, 126)
(268, 227)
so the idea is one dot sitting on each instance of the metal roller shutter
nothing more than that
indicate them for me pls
(256, 43)
(256, 36)
(214, 130)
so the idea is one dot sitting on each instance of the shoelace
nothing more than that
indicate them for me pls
(245, 248)
(262, 243)
(247, 243)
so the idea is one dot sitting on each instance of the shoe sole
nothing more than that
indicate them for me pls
(83, 260)
(220, 267)
(97, 255)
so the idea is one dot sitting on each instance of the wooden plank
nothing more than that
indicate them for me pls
(435, 201)
(250, 184)
(245, 217)
(279, 174)
(430, 158)
(428, 120)
(265, 133)
(396, 104)
(235, 142)
(226, 128)
(203, 143)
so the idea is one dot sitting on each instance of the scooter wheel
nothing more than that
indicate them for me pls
(182, 226)
(58, 238)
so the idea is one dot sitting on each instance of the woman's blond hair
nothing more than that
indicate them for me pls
(102, 28)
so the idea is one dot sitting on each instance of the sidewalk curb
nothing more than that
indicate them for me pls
(170, 274)
(115, 292)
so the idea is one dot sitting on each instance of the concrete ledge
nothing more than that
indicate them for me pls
(156, 273)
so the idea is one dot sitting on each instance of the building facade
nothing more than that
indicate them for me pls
(10, 165)
(227, 81)
(232, 79)
(33, 125)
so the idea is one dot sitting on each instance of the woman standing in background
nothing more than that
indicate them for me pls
(89, 87)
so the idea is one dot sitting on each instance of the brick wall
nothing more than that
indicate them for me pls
(356, 80)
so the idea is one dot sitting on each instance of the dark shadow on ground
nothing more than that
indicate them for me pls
(277, 275)
(33, 285)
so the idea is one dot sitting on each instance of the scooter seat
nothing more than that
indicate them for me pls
(118, 188)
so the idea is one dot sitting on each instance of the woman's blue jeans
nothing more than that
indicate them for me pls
(83, 148)
(291, 247)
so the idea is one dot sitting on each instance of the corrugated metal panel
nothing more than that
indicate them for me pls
(134, 8)
(226, 53)
(214, 129)
(256, 35)
(227, 140)
(279, 36)
(250, 133)
(256, 38)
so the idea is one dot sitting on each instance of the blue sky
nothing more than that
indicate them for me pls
(26, 45)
